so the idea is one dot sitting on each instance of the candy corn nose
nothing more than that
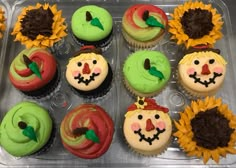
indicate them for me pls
(205, 70)
(149, 125)
(86, 69)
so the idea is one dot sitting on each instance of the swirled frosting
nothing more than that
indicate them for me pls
(135, 26)
(140, 77)
(94, 118)
(23, 78)
(11, 137)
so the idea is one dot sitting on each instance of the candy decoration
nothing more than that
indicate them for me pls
(32, 66)
(28, 131)
(153, 71)
(147, 65)
(93, 21)
(151, 21)
(89, 134)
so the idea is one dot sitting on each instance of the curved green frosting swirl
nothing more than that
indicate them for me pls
(140, 78)
(11, 137)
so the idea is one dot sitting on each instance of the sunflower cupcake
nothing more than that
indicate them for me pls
(206, 129)
(2, 24)
(40, 26)
(194, 24)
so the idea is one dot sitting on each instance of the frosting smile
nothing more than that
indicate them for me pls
(205, 83)
(86, 81)
(149, 140)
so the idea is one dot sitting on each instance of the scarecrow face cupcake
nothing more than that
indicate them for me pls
(195, 23)
(39, 26)
(206, 129)
(147, 127)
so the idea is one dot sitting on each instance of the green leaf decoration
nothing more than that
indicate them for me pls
(153, 71)
(153, 22)
(96, 22)
(35, 69)
(29, 132)
(91, 135)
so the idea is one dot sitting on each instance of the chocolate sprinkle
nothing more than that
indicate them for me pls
(147, 65)
(211, 129)
(80, 131)
(37, 21)
(145, 15)
(22, 125)
(27, 60)
(197, 23)
(88, 16)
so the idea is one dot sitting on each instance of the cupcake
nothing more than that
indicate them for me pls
(39, 26)
(201, 72)
(2, 22)
(147, 127)
(26, 129)
(143, 25)
(87, 131)
(206, 129)
(92, 25)
(88, 73)
(146, 72)
(194, 24)
(35, 73)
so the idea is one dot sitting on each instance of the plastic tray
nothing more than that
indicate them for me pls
(118, 99)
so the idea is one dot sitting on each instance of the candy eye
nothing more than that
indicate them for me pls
(157, 116)
(94, 61)
(211, 61)
(140, 117)
(79, 64)
(196, 62)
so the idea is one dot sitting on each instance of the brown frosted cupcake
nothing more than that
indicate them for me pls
(206, 129)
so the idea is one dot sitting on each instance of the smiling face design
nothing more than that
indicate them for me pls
(203, 71)
(147, 130)
(86, 71)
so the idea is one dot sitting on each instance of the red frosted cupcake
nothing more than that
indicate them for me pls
(34, 72)
(87, 131)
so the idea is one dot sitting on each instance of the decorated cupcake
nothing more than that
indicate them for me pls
(2, 22)
(35, 73)
(201, 72)
(92, 25)
(88, 73)
(146, 72)
(26, 129)
(87, 131)
(39, 26)
(143, 25)
(147, 127)
(194, 24)
(206, 129)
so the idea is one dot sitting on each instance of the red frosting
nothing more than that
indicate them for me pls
(99, 122)
(26, 80)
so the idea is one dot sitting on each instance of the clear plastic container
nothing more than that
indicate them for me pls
(118, 99)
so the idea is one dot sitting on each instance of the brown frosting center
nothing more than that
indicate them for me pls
(211, 129)
(197, 23)
(37, 21)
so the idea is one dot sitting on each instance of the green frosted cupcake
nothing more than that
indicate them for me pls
(26, 129)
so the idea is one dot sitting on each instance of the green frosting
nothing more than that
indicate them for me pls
(140, 78)
(84, 30)
(12, 138)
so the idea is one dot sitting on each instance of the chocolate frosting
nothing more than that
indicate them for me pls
(211, 129)
(37, 21)
(197, 23)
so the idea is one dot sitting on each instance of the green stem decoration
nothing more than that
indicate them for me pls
(32, 66)
(28, 131)
(89, 134)
(153, 71)
(153, 22)
(93, 21)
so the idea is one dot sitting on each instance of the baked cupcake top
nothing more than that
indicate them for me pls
(206, 129)
(91, 23)
(32, 69)
(25, 129)
(40, 26)
(195, 23)
(2, 22)
(144, 22)
(202, 71)
(87, 131)
(147, 71)
(87, 69)
(147, 126)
